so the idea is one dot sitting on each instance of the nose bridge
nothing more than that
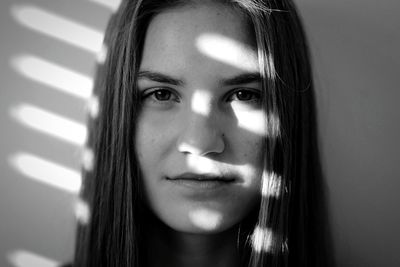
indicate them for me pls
(201, 134)
(201, 102)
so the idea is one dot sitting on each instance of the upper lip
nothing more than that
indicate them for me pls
(202, 177)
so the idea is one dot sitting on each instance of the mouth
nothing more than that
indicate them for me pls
(202, 181)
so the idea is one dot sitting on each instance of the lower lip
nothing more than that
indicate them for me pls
(201, 184)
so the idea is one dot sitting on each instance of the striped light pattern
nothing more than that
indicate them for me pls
(58, 27)
(50, 123)
(226, 50)
(111, 4)
(46, 171)
(54, 75)
(23, 258)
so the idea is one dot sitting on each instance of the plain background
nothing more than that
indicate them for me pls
(355, 47)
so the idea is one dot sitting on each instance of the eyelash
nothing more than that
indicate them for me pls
(154, 91)
(255, 95)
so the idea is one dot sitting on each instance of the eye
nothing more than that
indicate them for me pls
(245, 95)
(160, 95)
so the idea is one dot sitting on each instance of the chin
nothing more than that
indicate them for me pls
(201, 221)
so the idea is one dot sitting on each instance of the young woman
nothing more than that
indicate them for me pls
(205, 144)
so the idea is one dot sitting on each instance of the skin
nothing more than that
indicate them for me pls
(198, 126)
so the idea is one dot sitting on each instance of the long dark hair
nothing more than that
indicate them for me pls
(291, 225)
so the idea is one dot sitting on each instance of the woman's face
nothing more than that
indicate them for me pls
(200, 130)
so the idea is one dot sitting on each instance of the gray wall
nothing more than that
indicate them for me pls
(355, 50)
(356, 53)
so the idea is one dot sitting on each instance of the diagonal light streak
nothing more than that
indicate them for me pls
(50, 123)
(23, 258)
(251, 120)
(58, 27)
(53, 75)
(227, 50)
(111, 4)
(47, 172)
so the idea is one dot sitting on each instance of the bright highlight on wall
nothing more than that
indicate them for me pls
(22, 258)
(50, 123)
(56, 77)
(53, 75)
(82, 211)
(102, 54)
(93, 106)
(87, 159)
(111, 4)
(46, 171)
(58, 27)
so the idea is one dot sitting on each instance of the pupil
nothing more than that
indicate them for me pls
(242, 95)
(162, 95)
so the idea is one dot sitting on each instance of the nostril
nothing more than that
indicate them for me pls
(187, 148)
(200, 135)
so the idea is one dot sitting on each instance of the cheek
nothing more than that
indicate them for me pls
(247, 136)
(250, 120)
(246, 146)
(152, 140)
(248, 152)
(142, 142)
(147, 147)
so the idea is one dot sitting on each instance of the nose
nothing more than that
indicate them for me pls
(201, 135)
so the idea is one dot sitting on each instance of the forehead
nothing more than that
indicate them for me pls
(192, 20)
(198, 36)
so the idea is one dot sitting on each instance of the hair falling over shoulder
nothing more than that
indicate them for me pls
(291, 226)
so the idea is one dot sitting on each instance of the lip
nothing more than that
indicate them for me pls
(202, 177)
(201, 181)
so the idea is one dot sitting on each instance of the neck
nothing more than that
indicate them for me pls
(167, 247)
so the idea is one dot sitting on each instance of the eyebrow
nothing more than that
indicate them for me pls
(242, 78)
(159, 77)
